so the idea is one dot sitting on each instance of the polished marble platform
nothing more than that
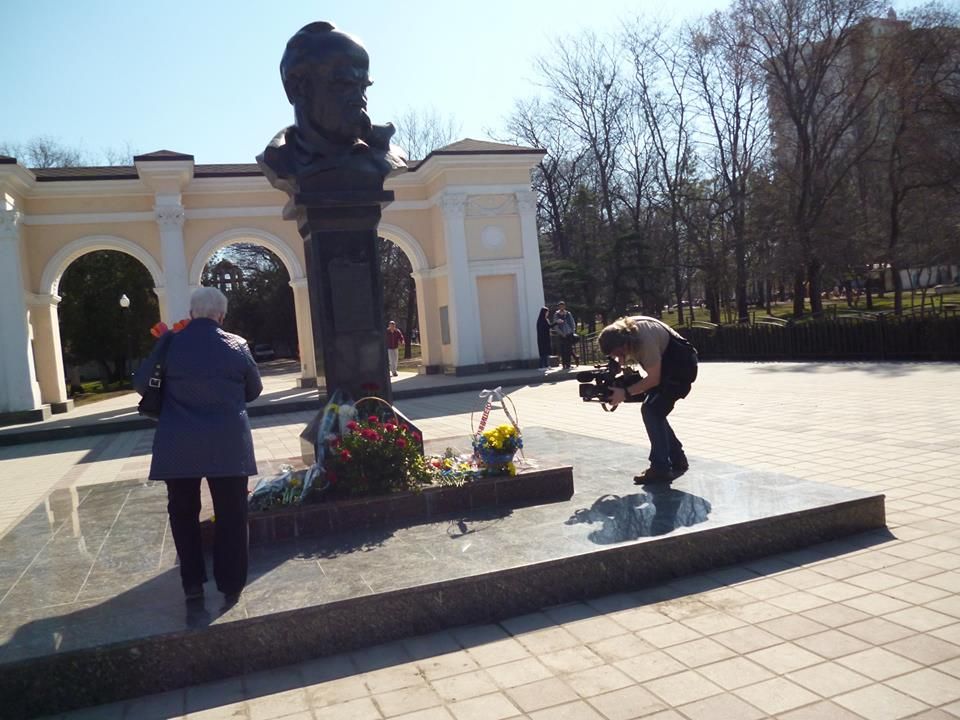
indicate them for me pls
(91, 608)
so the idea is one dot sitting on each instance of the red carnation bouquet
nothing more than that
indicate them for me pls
(375, 456)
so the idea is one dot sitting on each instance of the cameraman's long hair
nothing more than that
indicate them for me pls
(623, 332)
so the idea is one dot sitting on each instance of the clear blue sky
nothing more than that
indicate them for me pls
(201, 76)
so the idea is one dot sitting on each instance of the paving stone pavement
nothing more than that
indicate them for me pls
(868, 627)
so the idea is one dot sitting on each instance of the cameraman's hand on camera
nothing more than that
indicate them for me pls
(617, 396)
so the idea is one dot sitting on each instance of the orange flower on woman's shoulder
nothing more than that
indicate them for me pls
(161, 327)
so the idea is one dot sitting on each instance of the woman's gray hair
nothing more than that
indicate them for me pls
(208, 302)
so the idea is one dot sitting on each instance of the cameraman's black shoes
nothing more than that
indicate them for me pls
(680, 467)
(651, 476)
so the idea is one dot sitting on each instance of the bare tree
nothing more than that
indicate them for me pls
(589, 99)
(732, 98)
(661, 88)
(420, 131)
(44, 152)
(822, 83)
(558, 174)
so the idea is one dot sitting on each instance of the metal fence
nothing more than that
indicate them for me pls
(859, 336)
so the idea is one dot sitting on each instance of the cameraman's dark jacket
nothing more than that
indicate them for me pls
(678, 368)
(678, 360)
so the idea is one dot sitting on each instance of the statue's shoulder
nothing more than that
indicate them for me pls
(378, 138)
(277, 159)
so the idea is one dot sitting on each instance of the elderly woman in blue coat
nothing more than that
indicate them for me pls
(204, 432)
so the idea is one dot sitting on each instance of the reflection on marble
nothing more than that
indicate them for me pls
(91, 608)
(656, 511)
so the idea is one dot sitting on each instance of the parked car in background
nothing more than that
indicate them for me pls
(263, 352)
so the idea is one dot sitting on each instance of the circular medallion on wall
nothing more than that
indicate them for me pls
(492, 237)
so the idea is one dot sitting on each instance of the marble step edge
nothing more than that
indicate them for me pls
(61, 682)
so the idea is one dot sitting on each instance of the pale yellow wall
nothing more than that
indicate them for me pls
(437, 234)
(89, 203)
(25, 263)
(192, 199)
(42, 242)
(477, 249)
(419, 225)
(498, 317)
(407, 192)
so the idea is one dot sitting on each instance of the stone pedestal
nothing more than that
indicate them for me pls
(339, 231)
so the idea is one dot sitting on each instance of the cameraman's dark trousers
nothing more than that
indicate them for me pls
(678, 370)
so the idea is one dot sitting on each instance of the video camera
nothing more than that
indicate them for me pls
(597, 384)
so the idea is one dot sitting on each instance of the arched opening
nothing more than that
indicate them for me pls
(400, 302)
(107, 307)
(261, 304)
(402, 260)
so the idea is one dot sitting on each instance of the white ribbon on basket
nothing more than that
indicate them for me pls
(495, 395)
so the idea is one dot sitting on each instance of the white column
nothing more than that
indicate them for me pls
(49, 353)
(463, 312)
(308, 360)
(532, 273)
(175, 301)
(19, 390)
(426, 316)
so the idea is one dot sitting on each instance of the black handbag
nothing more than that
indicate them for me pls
(152, 400)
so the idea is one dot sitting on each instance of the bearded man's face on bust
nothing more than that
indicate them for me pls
(336, 96)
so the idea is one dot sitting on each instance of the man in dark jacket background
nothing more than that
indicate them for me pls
(204, 432)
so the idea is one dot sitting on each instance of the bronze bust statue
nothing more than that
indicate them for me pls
(332, 143)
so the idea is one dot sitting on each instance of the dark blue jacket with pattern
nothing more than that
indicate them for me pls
(203, 430)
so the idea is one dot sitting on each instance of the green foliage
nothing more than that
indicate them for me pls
(93, 326)
(261, 307)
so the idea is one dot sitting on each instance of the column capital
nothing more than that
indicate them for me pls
(10, 221)
(453, 204)
(526, 200)
(36, 299)
(170, 217)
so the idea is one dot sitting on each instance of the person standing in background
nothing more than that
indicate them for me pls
(567, 327)
(543, 336)
(394, 341)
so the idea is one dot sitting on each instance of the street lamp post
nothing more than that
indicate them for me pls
(125, 310)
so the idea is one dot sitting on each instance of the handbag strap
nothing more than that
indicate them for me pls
(160, 365)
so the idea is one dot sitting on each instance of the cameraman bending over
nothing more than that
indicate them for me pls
(670, 364)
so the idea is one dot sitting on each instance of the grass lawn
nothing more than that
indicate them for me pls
(94, 391)
(911, 304)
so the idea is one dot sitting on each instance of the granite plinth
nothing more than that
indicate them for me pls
(533, 487)
(91, 609)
